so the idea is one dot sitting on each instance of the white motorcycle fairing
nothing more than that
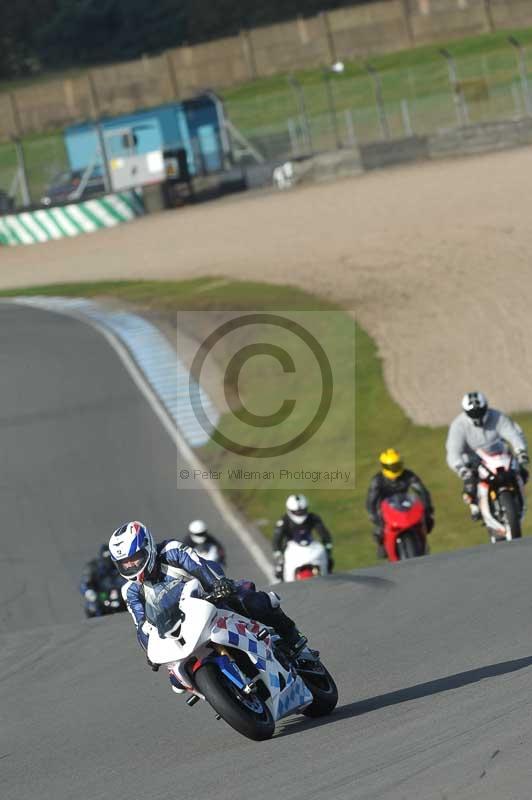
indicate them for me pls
(203, 623)
(492, 459)
(297, 555)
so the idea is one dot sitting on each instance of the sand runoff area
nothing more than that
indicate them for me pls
(434, 260)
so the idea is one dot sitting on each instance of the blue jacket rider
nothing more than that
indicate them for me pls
(140, 561)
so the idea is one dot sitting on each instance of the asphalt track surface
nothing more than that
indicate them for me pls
(433, 658)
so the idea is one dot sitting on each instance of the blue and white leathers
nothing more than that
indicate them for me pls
(173, 560)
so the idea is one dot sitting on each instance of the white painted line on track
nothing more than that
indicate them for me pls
(112, 335)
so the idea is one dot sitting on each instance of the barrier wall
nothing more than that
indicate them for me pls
(32, 227)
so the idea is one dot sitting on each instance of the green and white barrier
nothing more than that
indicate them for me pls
(59, 222)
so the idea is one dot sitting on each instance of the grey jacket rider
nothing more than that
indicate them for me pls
(465, 437)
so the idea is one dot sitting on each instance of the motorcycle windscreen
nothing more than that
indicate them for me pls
(162, 605)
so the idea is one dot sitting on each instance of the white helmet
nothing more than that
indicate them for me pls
(133, 550)
(297, 508)
(475, 405)
(198, 531)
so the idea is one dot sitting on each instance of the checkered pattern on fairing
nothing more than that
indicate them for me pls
(237, 633)
(293, 696)
(233, 632)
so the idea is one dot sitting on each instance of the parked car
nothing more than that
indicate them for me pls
(65, 186)
(7, 203)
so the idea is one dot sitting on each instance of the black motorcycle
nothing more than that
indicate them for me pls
(106, 599)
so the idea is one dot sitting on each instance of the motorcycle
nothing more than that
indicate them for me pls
(405, 529)
(500, 493)
(236, 665)
(106, 600)
(211, 552)
(304, 560)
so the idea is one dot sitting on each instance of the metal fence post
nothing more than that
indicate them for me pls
(302, 106)
(377, 85)
(350, 125)
(23, 175)
(461, 110)
(405, 113)
(292, 133)
(326, 72)
(523, 74)
(517, 100)
(108, 184)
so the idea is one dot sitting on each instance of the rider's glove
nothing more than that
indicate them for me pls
(466, 474)
(224, 587)
(522, 458)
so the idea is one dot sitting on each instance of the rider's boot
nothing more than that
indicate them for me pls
(292, 638)
(470, 499)
(293, 642)
(176, 684)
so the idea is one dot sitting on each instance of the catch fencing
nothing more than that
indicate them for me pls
(332, 109)
(340, 109)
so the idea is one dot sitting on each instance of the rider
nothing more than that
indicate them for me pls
(477, 426)
(392, 479)
(297, 525)
(140, 561)
(201, 540)
(96, 571)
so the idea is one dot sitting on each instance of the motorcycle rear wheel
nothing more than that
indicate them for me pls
(511, 513)
(228, 702)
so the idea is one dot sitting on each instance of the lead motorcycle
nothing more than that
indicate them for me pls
(232, 662)
(500, 492)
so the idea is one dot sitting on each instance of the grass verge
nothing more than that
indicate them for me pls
(379, 421)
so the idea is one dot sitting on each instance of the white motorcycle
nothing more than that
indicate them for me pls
(304, 560)
(238, 666)
(500, 492)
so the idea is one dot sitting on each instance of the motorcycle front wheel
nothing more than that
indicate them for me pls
(247, 714)
(321, 684)
(409, 546)
(511, 514)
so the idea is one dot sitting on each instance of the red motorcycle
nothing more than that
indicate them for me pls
(405, 528)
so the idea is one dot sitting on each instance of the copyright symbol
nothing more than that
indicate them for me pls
(232, 373)
(184, 474)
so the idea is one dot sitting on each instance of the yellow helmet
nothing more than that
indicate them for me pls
(391, 464)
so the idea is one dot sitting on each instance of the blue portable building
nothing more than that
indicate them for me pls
(195, 125)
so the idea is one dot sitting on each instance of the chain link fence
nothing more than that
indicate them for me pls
(338, 107)
(332, 109)
(28, 168)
